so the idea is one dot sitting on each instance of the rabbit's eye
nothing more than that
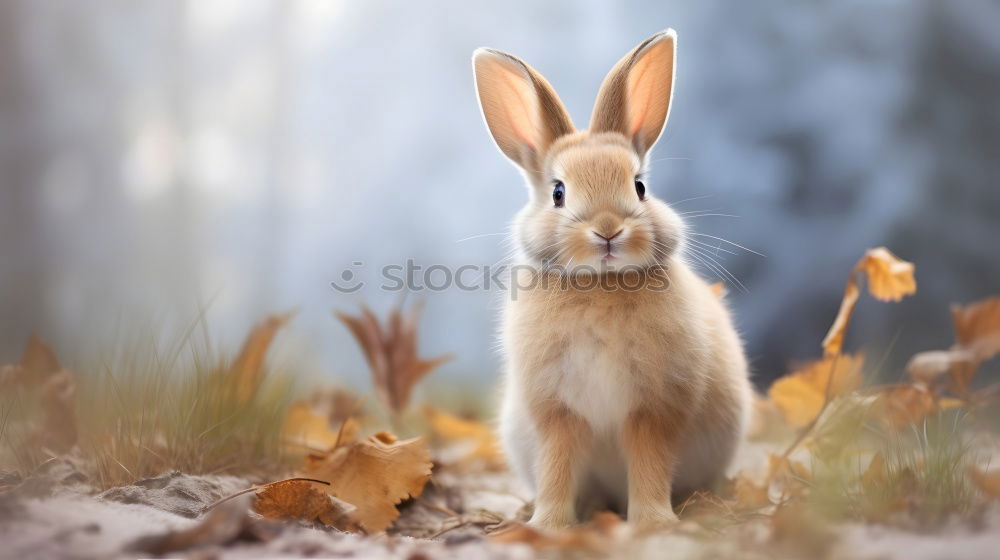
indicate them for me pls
(640, 189)
(559, 194)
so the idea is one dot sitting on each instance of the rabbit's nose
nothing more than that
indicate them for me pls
(607, 227)
(608, 237)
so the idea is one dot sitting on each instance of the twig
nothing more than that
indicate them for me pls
(261, 487)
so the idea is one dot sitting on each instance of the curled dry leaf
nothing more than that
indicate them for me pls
(299, 499)
(483, 448)
(306, 428)
(889, 279)
(246, 372)
(391, 352)
(801, 395)
(374, 475)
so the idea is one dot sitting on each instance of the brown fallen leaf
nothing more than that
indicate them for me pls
(889, 279)
(246, 372)
(801, 395)
(483, 445)
(748, 494)
(977, 331)
(391, 352)
(306, 428)
(902, 405)
(299, 499)
(767, 420)
(38, 363)
(374, 475)
(987, 482)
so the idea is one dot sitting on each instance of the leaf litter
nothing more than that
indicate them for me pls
(828, 453)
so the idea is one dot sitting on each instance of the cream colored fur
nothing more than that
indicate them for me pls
(627, 393)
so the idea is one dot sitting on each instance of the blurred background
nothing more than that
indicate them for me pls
(160, 159)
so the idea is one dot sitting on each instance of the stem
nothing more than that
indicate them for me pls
(261, 487)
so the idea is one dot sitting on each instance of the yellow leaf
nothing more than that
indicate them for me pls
(299, 499)
(374, 475)
(889, 279)
(245, 374)
(987, 482)
(483, 446)
(800, 396)
(305, 428)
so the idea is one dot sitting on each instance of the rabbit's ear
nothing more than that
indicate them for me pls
(521, 109)
(635, 96)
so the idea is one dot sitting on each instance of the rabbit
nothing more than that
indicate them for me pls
(628, 393)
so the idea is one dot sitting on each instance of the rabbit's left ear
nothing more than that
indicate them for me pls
(635, 96)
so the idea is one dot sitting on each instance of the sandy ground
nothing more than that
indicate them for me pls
(55, 514)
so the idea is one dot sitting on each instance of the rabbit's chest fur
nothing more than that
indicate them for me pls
(603, 354)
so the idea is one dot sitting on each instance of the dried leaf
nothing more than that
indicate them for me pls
(374, 475)
(750, 495)
(904, 404)
(928, 367)
(977, 327)
(246, 372)
(299, 499)
(38, 363)
(987, 482)
(800, 396)
(483, 445)
(889, 279)
(391, 353)
(977, 331)
(306, 428)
